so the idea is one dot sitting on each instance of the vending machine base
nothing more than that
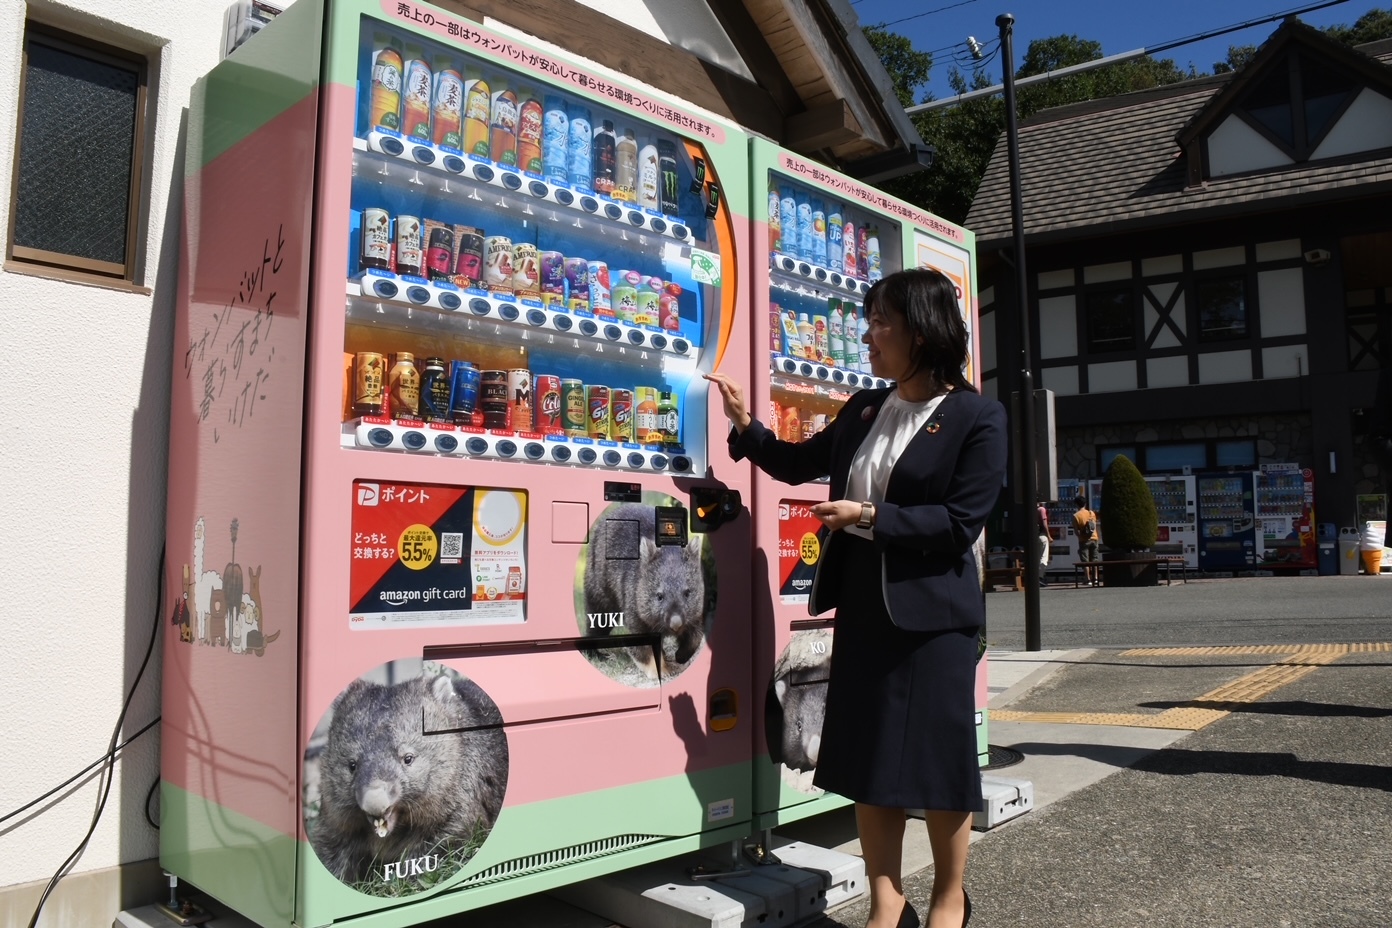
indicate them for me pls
(713, 890)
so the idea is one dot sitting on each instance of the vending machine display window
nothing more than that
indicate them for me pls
(531, 277)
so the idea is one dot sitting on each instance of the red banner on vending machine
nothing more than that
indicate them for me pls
(799, 547)
(431, 556)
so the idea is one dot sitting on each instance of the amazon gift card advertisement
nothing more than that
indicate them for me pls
(799, 547)
(426, 556)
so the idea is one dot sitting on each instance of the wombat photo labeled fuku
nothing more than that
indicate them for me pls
(404, 778)
(628, 584)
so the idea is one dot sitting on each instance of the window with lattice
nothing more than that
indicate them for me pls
(75, 198)
(1297, 102)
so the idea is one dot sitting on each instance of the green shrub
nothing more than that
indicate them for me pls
(1129, 520)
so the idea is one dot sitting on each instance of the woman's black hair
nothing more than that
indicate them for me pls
(927, 298)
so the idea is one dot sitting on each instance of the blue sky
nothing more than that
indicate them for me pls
(1120, 25)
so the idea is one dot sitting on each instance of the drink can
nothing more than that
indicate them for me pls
(369, 377)
(600, 297)
(464, 391)
(449, 109)
(493, 398)
(809, 428)
(598, 397)
(669, 308)
(468, 264)
(435, 391)
(625, 295)
(667, 166)
(409, 252)
(375, 249)
(577, 275)
(497, 268)
(439, 250)
(646, 313)
(621, 415)
(553, 279)
(775, 329)
(526, 271)
(546, 396)
(573, 410)
(519, 393)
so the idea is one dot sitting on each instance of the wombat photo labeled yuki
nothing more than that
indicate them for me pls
(404, 778)
(795, 706)
(630, 584)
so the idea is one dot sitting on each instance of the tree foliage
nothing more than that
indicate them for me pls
(1129, 519)
(965, 135)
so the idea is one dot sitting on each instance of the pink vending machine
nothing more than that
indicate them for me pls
(824, 240)
(458, 556)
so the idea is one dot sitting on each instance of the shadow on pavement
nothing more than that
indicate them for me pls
(1111, 754)
(1178, 762)
(1297, 707)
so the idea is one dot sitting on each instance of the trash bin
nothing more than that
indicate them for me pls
(1328, 546)
(1348, 551)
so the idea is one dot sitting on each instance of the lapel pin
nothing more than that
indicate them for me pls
(932, 427)
(867, 413)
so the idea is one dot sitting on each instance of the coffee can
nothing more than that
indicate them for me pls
(435, 391)
(546, 398)
(468, 264)
(526, 271)
(621, 415)
(598, 397)
(577, 274)
(493, 398)
(375, 248)
(600, 299)
(464, 391)
(553, 280)
(520, 399)
(369, 381)
(573, 408)
(497, 268)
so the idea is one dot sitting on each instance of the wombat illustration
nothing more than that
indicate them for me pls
(651, 589)
(391, 794)
(796, 702)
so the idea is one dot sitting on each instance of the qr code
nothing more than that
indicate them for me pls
(451, 545)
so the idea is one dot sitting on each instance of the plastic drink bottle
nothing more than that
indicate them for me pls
(775, 218)
(836, 258)
(386, 89)
(502, 127)
(873, 271)
(787, 220)
(555, 129)
(605, 158)
(807, 335)
(417, 84)
(836, 333)
(804, 226)
(578, 148)
(649, 177)
(626, 167)
(819, 232)
(476, 106)
(448, 110)
(848, 259)
(529, 117)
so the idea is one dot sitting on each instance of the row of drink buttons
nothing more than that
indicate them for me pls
(821, 274)
(834, 374)
(482, 172)
(448, 444)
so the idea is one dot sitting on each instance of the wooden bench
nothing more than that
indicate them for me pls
(1013, 577)
(1163, 563)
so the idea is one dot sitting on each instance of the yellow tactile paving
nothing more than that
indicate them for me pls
(1204, 710)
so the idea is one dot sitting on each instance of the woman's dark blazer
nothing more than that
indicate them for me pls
(940, 493)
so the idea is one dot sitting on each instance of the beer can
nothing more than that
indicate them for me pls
(493, 398)
(577, 274)
(375, 249)
(573, 410)
(600, 299)
(435, 391)
(468, 264)
(546, 398)
(369, 378)
(621, 415)
(520, 399)
(526, 271)
(464, 391)
(553, 280)
(598, 397)
(497, 268)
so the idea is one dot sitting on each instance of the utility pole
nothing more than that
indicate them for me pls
(1024, 435)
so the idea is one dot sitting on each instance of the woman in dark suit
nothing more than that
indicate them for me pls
(915, 471)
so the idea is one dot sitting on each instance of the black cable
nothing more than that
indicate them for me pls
(110, 758)
(940, 9)
(148, 796)
(79, 775)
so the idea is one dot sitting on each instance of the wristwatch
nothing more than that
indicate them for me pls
(867, 516)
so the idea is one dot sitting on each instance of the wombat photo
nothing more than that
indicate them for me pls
(795, 706)
(411, 778)
(634, 586)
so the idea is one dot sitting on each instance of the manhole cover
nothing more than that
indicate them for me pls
(999, 757)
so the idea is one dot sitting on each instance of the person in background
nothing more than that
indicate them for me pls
(915, 471)
(1089, 534)
(1044, 541)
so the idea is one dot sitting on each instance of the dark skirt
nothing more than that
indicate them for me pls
(900, 728)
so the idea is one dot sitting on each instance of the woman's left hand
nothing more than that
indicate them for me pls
(838, 513)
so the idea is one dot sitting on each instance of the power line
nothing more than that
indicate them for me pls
(895, 22)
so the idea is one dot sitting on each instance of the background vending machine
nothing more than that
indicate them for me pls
(824, 240)
(1177, 530)
(461, 291)
(1063, 545)
(1227, 524)
(1285, 497)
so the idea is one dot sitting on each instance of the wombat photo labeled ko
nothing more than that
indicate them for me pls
(627, 584)
(404, 778)
(795, 707)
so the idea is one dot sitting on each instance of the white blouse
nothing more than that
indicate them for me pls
(897, 421)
